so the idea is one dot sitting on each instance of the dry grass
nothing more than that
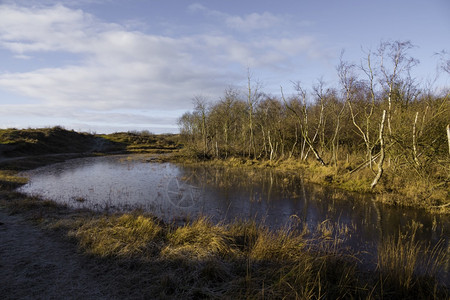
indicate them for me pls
(246, 260)
(409, 266)
(119, 236)
(197, 241)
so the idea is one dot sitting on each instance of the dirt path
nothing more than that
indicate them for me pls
(37, 265)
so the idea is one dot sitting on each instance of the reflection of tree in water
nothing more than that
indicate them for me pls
(255, 182)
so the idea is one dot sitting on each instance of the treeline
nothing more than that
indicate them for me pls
(377, 117)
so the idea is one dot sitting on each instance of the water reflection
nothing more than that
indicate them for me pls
(174, 191)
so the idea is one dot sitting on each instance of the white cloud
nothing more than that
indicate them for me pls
(253, 21)
(118, 68)
(55, 28)
(197, 7)
(247, 23)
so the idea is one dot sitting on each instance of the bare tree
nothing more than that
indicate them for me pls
(448, 137)
(303, 121)
(318, 90)
(394, 61)
(444, 61)
(225, 116)
(349, 82)
(369, 108)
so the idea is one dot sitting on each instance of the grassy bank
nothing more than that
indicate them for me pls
(140, 256)
(16, 142)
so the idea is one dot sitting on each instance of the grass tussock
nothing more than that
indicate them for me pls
(198, 240)
(277, 245)
(9, 180)
(119, 236)
(406, 265)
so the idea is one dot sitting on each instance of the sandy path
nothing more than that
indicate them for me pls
(37, 265)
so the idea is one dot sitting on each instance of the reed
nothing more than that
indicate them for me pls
(407, 267)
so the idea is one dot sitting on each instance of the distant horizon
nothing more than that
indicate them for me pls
(143, 131)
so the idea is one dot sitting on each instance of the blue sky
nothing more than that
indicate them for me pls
(112, 65)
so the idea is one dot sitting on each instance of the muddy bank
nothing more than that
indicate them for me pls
(38, 265)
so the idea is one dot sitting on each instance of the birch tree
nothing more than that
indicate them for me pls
(302, 118)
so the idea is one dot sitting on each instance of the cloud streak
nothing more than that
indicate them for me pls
(249, 22)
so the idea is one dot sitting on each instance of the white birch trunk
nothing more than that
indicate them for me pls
(380, 163)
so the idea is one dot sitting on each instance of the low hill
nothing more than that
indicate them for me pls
(41, 141)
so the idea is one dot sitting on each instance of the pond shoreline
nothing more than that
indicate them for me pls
(175, 255)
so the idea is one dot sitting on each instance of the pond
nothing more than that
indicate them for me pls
(177, 192)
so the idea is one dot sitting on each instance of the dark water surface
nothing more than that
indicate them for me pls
(176, 192)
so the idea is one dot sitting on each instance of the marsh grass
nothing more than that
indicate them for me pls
(122, 236)
(409, 266)
(245, 260)
(198, 240)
